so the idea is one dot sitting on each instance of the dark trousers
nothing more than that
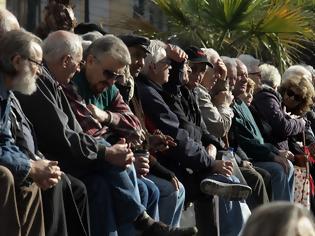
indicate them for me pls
(254, 180)
(66, 208)
(113, 198)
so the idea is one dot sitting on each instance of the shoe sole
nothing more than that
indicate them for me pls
(225, 190)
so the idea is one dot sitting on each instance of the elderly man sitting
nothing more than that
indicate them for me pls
(106, 170)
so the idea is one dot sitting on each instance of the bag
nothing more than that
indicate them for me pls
(302, 192)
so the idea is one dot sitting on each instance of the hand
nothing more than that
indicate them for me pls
(175, 53)
(212, 151)
(283, 162)
(286, 154)
(136, 138)
(120, 155)
(100, 115)
(142, 165)
(220, 70)
(223, 167)
(45, 173)
(175, 183)
(160, 142)
(247, 165)
(224, 98)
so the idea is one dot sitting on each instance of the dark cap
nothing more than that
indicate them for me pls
(84, 28)
(196, 55)
(135, 40)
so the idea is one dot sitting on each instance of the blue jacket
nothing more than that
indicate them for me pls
(11, 156)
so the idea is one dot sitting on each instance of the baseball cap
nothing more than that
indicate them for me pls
(196, 55)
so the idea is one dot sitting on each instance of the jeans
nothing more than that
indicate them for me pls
(114, 199)
(149, 194)
(282, 183)
(171, 202)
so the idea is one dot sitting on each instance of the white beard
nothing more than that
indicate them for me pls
(26, 82)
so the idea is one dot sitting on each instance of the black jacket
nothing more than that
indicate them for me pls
(59, 135)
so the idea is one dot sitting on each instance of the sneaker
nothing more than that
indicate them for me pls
(223, 187)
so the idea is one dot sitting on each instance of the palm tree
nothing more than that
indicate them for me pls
(275, 31)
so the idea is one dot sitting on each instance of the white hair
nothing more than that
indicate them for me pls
(211, 54)
(61, 43)
(157, 53)
(270, 75)
(110, 45)
(297, 70)
(8, 22)
(250, 62)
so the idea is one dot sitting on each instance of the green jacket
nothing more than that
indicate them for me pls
(248, 136)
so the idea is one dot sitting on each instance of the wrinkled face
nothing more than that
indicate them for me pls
(231, 75)
(247, 97)
(72, 65)
(27, 70)
(198, 71)
(103, 72)
(137, 55)
(209, 79)
(186, 72)
(242, 77)
(292, 98)
(161, 70)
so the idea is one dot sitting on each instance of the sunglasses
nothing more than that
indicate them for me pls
(111, 75)
(296, 97)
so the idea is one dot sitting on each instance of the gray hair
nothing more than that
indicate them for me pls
(250, 62)
(270, 75)
(297, 70)
(61, 43)
(287, 215)
(211, 54)
(15, 42)
(110, 45)
(8, 22)
(91, 36)
(157, 53)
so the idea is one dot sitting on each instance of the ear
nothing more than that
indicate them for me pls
(65, 60)
(90, 59)
(17, 62)
(153, 67)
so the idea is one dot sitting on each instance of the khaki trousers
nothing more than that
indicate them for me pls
(21, 209)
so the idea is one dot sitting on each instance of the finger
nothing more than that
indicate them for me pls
(53, 163)
(52, 181)
(177, 184)
(228, 163)
(227, 172)
(144, 160)
(122, 141)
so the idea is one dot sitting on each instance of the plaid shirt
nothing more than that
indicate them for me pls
(89, 125)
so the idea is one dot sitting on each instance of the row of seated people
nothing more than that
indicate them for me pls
(120, 141)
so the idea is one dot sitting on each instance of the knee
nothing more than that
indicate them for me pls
(6, 177)
(155, 192)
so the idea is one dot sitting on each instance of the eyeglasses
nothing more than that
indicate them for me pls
(291, 93)
(38, 63)
(111, 75)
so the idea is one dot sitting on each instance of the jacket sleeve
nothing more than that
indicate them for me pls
(271, 111)
(16, 161)
(159, 116)
(122, 116)
(218, 120)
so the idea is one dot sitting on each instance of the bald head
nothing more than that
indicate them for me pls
(8, 22)
(61, 43)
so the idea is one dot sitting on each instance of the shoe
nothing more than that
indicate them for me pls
(161, 229)
(146, 226)
(223, 187)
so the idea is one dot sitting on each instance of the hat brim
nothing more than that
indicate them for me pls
(144, 48)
